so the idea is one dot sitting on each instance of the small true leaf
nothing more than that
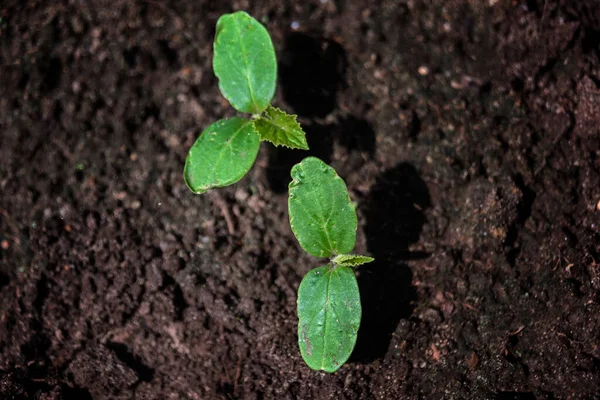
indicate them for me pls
(222, 155)
(322, 216)
(329, 313)
(351, 260)
(244, 61)
(281, 129)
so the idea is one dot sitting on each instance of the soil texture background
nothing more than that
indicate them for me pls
(468, 133)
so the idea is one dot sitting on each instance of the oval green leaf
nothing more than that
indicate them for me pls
(244, 61)
(322, 216)
(329, 313)
(222, 155)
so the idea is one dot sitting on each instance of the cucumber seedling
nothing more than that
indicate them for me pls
(324, 221)
(322, 216)
(245, 64)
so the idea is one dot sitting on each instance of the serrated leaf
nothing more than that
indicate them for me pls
(244, 61)
(329, 313)
(351, 260)
(281, 129)
(322, 216)
(222, 155)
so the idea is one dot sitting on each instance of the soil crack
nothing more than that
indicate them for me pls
(126, 356)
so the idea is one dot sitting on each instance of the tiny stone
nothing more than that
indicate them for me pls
(120, 195)
(144, 308)
(472, 360)
(423, 70)
(5, 245)
(241, 195)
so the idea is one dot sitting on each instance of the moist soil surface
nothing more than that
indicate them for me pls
(468, 134)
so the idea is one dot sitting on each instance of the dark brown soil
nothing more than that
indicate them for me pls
(468, 132)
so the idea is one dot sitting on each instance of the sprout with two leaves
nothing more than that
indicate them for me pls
(244, 62)
(324, 221)
(322, 216)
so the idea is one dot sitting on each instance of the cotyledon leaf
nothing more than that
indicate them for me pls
(281, 129)
(222, 155)
(351, 260)
(322, 216)
(244, 61)
(329, 313)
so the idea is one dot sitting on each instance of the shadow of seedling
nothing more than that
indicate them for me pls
(281, 159)
(515, 396)
(312, 70)
(353, 134)
(394, 221)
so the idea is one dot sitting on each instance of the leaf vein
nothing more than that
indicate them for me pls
(244, 58)
(326, 320)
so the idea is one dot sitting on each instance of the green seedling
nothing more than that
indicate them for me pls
(245, 64)
(322, 215)
(324, 221)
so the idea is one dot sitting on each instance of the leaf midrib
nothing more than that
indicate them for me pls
(330, 248)
(227, 145)
(330, 272)
(244, 59)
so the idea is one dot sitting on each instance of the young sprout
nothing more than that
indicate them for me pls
(324, 221)
(244, 62)
(322, 215)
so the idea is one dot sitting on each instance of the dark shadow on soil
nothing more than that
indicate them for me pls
(281, 159)
(4, 281)
(124, 354)
(354, 134)
(394, 222)
(76, 393)
(311, 70)
(515, 396)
